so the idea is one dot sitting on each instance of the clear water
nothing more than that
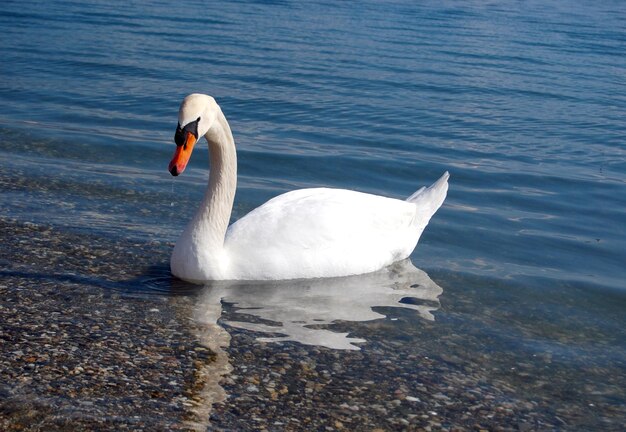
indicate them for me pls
(524, 104)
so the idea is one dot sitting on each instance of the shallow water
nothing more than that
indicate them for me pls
(523, 105)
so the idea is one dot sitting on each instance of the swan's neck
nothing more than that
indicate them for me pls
(211, 220)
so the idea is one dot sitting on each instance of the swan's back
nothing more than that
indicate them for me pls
(328, 232)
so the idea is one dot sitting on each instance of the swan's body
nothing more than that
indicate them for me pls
(305, 233)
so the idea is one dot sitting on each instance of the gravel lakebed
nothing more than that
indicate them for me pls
(87, 343)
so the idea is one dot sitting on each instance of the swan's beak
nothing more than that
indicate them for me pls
(182, 155)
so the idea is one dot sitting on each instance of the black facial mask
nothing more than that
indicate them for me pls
(181, 133)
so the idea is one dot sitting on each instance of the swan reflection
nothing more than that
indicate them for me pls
(294, 310)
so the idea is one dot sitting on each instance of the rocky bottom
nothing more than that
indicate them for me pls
(93, 336)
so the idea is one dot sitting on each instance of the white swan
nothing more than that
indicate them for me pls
(307, 233)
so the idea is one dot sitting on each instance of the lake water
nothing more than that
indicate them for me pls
(522, 271)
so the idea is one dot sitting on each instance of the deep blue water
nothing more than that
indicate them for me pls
(524, 103)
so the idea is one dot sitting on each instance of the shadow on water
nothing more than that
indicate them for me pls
(156, 280)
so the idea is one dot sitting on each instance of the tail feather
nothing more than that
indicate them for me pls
(428, 200)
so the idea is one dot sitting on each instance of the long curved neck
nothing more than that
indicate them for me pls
(213, 216)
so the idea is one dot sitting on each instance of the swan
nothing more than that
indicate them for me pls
(306, 233)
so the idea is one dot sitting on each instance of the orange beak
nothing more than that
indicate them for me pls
(182, 155)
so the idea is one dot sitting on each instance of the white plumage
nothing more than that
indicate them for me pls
(305, 233)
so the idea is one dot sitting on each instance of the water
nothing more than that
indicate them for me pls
(523, 103)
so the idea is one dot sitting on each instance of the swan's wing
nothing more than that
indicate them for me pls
(322, 232)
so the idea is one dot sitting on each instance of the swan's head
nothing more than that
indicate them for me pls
(195, 118)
